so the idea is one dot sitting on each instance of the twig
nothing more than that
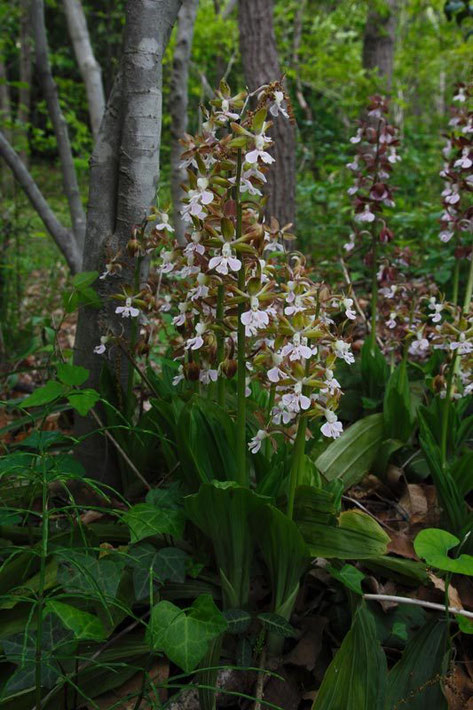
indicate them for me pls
(120, 450)
(418, 602)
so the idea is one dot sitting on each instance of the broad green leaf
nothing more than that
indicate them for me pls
(169, 563)
(351, 456)
(356, 678)
(277, 624)
(433, 546)
(414, 683)
(397, 405)
(222, 514)
(238, 620)
(357, 537)
(408, 572)
(51, 391)
(145, 520)
(350, 576)
(84, 626)
(184, 636)
(464, 624)
(374, 370)
(97, 578)
(284, 552)
(72, 375)
(83, 400)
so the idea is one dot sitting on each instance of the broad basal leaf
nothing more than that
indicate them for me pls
(414, 683)
(356, 678)
(351, 456)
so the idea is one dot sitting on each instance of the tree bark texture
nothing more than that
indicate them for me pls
(49, 89)
(6, 121)
(26, 72)
(178, 103)
(88, 66)
(261, 66)
(379, 39)
(64, 239)
(124, 173)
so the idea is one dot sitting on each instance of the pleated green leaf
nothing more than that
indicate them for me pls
(356, 678)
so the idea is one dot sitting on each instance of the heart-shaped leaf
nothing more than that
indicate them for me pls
(145, 520)
(433, 546)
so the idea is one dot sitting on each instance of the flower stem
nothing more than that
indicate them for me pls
(446, 411)
(241, 347)
(297, 458)
(456, 279)
(220, 347)
(374, 294)
(469, 288)
(133, 338)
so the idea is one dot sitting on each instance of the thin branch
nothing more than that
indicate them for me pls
(63, 238)
(49, 89)
(418, 602)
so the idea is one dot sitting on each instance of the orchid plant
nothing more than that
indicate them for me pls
(241, 303)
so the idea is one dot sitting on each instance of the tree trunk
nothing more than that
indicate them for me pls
(5, 120)
(88, 65)
(26, 72)
(123, 177)
(49, 89)
(378, 41)
(178, 101)
(261, 66)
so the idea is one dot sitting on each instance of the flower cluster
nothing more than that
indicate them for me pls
(231, 291)
(457, 172)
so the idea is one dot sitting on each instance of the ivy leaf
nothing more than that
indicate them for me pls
(145, 520)
(84, 626)
(184, 636)
(43, 395)
(433, 545)
(238, 620)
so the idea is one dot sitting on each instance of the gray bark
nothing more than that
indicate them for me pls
(261, 66)
(379, 39)
(88, 65)
(178, 103)
(26, 71)
(5, 120)
(63, 238)
(49, 90)
(123, 178)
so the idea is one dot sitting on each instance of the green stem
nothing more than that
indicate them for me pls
(297, 458)
(469, 288)
(241, 347)
(446, 412)
(220, 347)
(456, 280)
(40, 603)
(272, 397)
(374, 294)
(133, 337)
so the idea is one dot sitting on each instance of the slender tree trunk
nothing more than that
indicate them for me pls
(64, 239)
(6, 121)
(123, 178)
(26, 72)
(261, 66)
(88, 65)
(379, 39)
(178, 102)
(49, 89)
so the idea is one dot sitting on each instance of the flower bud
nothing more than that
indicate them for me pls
(192, 371)
(133, 247)
(229, 368)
